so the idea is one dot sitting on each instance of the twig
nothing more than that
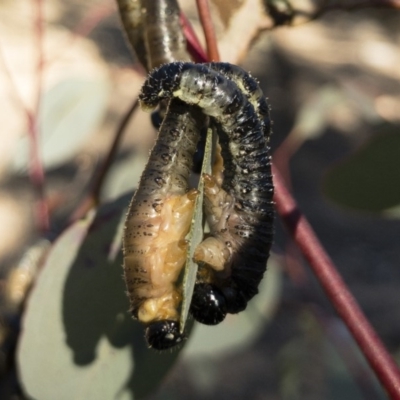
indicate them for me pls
(36, 171)
(92, 199)
(193, 45)
(208, 28)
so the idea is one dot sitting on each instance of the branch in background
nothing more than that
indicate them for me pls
(92, 199)
(193, 45)
(208, 29)
(36, 171)
(322, 266)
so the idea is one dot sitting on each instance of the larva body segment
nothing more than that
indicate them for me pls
(158, 220)
(164, 37)
(131, 13)
(249, 86)
(154, 31)
(240, 212)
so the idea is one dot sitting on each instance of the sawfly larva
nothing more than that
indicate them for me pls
(158, 220)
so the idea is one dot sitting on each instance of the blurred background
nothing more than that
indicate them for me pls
(334, 89)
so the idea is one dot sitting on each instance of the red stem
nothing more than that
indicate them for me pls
(208, 29)
(193, 45)
(336, 290)
(92, 199)
(36, 171)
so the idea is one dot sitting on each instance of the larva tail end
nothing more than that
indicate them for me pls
(208, 304)
(160, 84)
(163, 335)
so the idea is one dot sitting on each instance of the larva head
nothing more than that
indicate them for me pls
(236, 302)
(162, 335)
(208, 304)
(160, 84)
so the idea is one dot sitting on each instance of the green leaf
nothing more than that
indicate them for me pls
(124, 175)
(324, 354)
(239, 330)
(312, 118)
(78, 341)
(195, 235)
(369, 180)
(69, 114)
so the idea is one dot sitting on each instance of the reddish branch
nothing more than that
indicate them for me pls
(92, 199)
(208, 29)
(193, 45)
(323, 267)
(36, 171)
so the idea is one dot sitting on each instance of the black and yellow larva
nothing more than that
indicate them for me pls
(241, 211)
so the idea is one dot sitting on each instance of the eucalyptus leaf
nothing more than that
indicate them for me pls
(319, 351)
(69, 113)
(369, 179)
(195, 235)
(239, 330)
(78, 340)
(312, 117)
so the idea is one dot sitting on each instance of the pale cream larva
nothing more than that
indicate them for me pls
(158, 220)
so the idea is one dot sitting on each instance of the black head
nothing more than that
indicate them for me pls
(235, 300)
(208, 304)
(162, 335)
